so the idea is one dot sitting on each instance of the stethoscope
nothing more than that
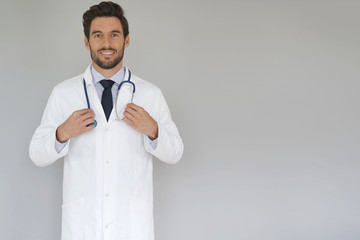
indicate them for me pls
(125, 95)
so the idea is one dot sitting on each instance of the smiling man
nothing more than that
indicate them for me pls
(107, 150)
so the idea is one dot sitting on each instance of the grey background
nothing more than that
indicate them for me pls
(264, 93)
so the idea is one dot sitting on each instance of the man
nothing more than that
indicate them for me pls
(107, 185)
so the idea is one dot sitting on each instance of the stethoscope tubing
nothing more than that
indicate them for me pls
(127, 81)
(87, 96)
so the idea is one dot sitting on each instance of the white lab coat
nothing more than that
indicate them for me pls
(107, 182)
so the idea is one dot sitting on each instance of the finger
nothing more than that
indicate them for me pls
(131, 111)
(128, 121)
(89, 121)
(81, 118)
(87, 116)
(88, 127)
(82, 114)
(134, 106)
(129, 115)
(83, 111)
(140, 111)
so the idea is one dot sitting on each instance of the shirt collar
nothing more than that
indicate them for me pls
(118, 77)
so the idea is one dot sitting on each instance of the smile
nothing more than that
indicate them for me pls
(107, 52)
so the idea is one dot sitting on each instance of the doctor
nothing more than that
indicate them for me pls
(107, 184)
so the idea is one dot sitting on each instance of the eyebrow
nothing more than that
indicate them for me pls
(98, 31)
(95, 32)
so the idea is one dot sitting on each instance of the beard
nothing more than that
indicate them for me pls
(107, 64)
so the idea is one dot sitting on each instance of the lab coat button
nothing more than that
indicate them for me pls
(106, 195)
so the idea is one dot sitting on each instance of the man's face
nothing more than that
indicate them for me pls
(106, 42)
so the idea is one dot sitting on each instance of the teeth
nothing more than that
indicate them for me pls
(107, 53)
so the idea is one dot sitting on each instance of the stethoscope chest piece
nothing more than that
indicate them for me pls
(94, 123)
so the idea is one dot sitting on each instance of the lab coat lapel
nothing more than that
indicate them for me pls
(95, 103)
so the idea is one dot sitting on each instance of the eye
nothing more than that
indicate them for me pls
(115, 35)
(97, 35)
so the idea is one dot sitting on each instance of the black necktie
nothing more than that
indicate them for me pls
(106, 99)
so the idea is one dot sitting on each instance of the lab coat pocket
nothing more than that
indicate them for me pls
(73, 220)
(141, 220)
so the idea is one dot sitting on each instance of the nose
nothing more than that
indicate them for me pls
(106, 41)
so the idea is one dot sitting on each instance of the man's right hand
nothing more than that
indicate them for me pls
(76, 124)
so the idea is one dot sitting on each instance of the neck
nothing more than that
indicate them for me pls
(108, 73)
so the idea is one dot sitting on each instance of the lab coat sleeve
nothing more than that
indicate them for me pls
(42, 145)
(169, 147)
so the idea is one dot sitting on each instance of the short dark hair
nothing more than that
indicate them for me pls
(104, 9)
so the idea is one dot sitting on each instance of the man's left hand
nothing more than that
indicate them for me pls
(140, 120)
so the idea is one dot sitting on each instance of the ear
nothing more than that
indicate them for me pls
(87, 45)
(127, 41)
